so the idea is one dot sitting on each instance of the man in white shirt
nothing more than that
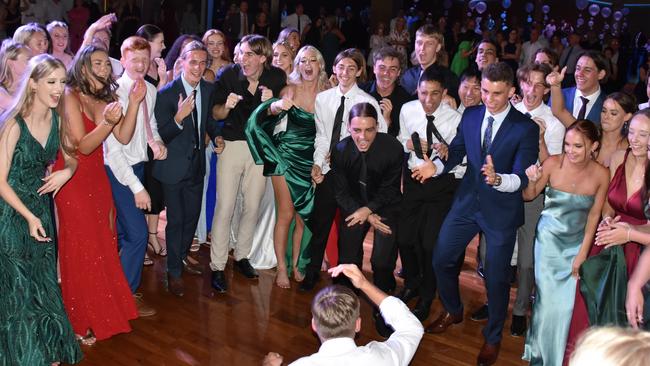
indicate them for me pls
(531, 46)
(54, 10)
(332, 109)
(125, 163)
(424, 123)
(336, 320)
(298, 20)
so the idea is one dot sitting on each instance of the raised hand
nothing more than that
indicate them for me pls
(219, 145)
(283, 104)
(266, 93)
(105, 22)
(162, 70)
(185, 107)
(488, 171)
(555, 78)
(138, 91)
(542, 125)
(534, 172)
(113, 113)
(424, 171)
(516, 98)
(351, 271)
(386, 107)
(232, 100)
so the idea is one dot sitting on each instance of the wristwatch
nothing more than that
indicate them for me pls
(497, 180)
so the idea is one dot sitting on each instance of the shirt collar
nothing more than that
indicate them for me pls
(353, 90)
(337, 346)
(521, 107)
(591, 97)
(499, 117)
(189, 87)
(125, 80)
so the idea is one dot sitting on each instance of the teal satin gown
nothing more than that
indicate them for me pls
(560, 231)
(288, 153)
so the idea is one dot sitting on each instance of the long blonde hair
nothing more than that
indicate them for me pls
(10, 50)
(296, 78)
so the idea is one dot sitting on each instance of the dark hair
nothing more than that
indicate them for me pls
(470, 73)
(552, 55)
(645, 113)
(431, 74)
(148, 32)
(597, 58)
(385, 52)
(523, 72)
(175, 50)
(357, 57)
(488, 41)
(77, 80)
(587, 128)
(362, 110)
(499, 71)
(625, 100)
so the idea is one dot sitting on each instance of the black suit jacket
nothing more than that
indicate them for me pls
(233, 24)
(409, 80)
(384, 167)
(180, 142)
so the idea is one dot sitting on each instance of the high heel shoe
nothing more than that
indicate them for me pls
(160, 250)
(87, 340)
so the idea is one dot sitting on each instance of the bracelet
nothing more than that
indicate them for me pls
(106, 123)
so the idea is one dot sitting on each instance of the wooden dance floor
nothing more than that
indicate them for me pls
(256, 317)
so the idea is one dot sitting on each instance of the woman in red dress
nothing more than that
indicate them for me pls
(96, 295)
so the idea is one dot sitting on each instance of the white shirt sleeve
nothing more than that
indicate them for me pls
(321, 142)
(408, 330)
(403, 136)
(509, 183)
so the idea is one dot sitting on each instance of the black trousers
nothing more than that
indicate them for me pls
(384, 248)
(424, 208)
(321, 222)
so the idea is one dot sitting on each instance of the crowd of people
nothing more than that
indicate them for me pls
(538, 148)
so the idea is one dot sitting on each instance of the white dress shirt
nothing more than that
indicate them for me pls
(577, 102)
(644, 105)
(120, 158)
(461, 108)
(412, 118)
(554, 134)
(292, 21)
(398, 350)
(327, 102)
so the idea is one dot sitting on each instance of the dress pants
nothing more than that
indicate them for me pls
(321, 222)
(525, 260)
(457, 231)
(236, 172)
(132, 233)
(424, 207)
(384, 247)
(183, 201)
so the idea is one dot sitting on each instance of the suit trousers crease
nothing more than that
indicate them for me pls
(457, 231)
(423, 209)
(183, 202)
(236, 171)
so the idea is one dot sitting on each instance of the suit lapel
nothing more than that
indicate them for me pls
(475, 130)
(568, 100)
(205, 101)
(504, 129)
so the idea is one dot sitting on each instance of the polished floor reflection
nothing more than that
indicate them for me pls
(256, 317)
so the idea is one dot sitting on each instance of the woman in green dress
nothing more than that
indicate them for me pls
(287, 156)
(33, 323)
(576, 189)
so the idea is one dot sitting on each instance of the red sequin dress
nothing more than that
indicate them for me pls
(95, 292)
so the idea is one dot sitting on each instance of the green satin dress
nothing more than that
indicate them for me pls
(34, 328)
(289, 153)
(560, 231)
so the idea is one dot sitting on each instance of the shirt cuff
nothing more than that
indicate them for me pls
(509, 183)
(136, 187)
(439, 167)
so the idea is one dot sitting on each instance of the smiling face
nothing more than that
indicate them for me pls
(194, 63)
(136, 63)
(38, 43)
(363, 131)
(587, 75)
(496, 95)
(426, 49)
(216, 45)
(59, 39)
(469, 92)
(100, 66)
(294, 41)
(157, 45)
(542, 58)
(430, 94)
(577, 148)
(347, 72)
(533, 90)
(486, 54)
(612, 116)
(639, 135)
(252, 64)
(386, 71)
(48, 90)
(282, 58)
(308, 66)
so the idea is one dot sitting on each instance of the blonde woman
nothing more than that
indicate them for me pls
(13, 62)
(283, 57)
(60, 42)
(32, 36)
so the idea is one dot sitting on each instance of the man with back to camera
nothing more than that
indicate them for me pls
(336, 320)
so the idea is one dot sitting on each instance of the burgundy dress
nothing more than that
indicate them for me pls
(95, 292)
(631, 211)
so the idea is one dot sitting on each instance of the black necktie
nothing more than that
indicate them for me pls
(528, 115)
(195, 121)
(363, 178)
(487, 137)
(338, 121)
(583, 109)
(432, 130)
(299, 31)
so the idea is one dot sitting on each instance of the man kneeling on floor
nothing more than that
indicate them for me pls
(336, 319)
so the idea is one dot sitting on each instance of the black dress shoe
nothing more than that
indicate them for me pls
(175, 286)
(480, 314)
(244, 266)
(518, 325)
(422, 309)
(190, 268)
(407, 294)
(383, 329)
(309, 282)
(219, 281)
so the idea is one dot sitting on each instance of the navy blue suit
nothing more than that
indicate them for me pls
(594, 114)
(181, 174)
(478, 207)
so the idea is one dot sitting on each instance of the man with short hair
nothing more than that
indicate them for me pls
(469, 89)
(241, 88)
(428, 43)
(569, 58)
(389, 95)
(183, 115)
(500, 144)
(531, 46)
(298, 20)
(336, 320)
(332, 108)
(486, 54)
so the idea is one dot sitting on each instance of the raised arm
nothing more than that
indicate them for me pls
(538, 177)
(74, 127)
(554, 79)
